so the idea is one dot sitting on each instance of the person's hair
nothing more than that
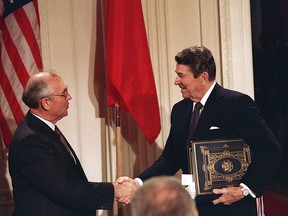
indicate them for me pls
(37, 88)
(198, 59)
(161, 196)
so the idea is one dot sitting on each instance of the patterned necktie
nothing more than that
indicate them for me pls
(194, 120)
(64, 142)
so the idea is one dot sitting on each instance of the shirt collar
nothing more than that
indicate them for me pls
(50, 124)
(207, 94)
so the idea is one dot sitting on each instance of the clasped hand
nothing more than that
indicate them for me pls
(124, 189)
(229, 195)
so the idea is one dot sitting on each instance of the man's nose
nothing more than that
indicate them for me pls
(177, 80)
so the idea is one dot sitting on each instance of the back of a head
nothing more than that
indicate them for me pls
(161, 196)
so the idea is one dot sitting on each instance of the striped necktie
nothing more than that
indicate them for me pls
(65, 143)
(194, 120)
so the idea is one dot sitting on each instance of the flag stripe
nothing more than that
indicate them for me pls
(33, 16)
(6, 114)
(10, 96)
(20, 58)
(12, 78)
(20, 46)
(26, 28)
(14, 54)
(6, 111)
(35, 6)
(6, 133)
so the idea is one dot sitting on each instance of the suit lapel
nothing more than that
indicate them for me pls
(211, 109)
(40, 127)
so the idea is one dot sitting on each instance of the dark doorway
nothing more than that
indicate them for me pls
(270, 59)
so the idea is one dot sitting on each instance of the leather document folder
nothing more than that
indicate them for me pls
(218, 163)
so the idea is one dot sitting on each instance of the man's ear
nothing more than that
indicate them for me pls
(45, 103)
(204, 77)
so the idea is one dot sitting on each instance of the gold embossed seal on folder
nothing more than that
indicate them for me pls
(218, 163)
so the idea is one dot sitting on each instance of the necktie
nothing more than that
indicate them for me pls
(194, 120)
(64, 142)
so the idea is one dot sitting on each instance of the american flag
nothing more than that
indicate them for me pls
(20, 57)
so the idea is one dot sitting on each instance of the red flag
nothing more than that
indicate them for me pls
(20, 58)
(130, 80)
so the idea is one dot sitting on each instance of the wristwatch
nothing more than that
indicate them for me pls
(245, 191)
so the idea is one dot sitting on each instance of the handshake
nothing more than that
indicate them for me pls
(124, 189)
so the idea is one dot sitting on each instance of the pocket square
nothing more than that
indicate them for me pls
(214, 128)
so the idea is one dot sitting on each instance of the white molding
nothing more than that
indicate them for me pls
(236, 45)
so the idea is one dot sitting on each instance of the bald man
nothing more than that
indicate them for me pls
(47, 175)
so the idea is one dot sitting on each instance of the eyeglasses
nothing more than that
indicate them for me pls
(65, 93)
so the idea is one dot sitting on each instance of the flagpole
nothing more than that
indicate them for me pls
(119, 151)
(119, 162)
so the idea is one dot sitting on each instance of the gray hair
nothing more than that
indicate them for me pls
(161, 196)
(37, 88)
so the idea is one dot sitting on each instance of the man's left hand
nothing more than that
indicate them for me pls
(229, 195)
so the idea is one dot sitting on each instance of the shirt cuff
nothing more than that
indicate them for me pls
(247, 188)
(140, 182)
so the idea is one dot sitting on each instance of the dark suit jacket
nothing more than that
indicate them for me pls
(237, 116)
(45, 179)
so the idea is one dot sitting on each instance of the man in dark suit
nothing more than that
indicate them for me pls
(47, 176)
(225, 114)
